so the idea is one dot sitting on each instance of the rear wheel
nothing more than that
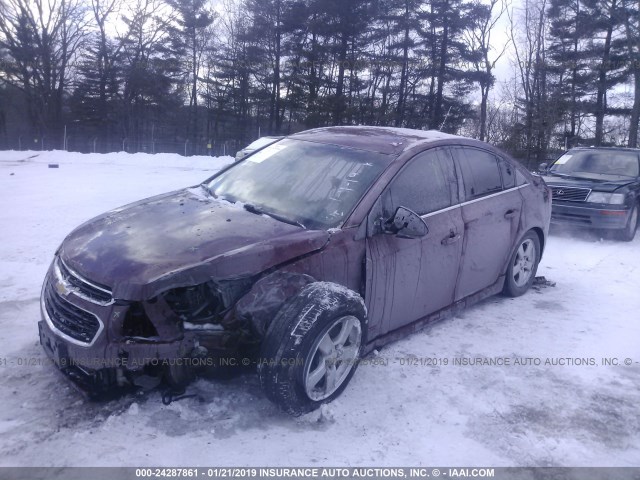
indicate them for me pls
(629, 232)
(523, 265)
(312, 348)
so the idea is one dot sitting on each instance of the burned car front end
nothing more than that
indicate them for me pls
(161, 288)
(102, 342)
(120, 308)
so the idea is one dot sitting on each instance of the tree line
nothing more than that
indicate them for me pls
(192, 72)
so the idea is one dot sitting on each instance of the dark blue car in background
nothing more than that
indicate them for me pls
(597, 188)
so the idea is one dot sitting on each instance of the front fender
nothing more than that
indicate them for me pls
(259, 306)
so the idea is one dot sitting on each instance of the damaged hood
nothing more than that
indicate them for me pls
(179, 239)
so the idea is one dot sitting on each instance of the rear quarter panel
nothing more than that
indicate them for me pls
(536, 211)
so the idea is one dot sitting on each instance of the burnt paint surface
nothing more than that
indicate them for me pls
(179, 239)
(340, 262)
(258, 307)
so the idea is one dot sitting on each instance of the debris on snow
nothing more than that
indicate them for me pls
(541, 282)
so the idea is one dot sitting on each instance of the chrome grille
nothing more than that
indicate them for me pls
(570, 194)
(85, 289)
(68, 319)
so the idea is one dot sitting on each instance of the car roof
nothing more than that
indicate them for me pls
(387, 140)
(620, 149)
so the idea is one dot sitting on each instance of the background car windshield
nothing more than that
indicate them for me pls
(315, 184)
(604, 163)
(256, 144)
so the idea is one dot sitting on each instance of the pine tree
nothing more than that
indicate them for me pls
(608, 49)
(447, 53)
(571, 30)
(190, 40)
(97, 85)
(150, 70)
(631, 15)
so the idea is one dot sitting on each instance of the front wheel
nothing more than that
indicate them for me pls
(523, 265)
(629, 232)
(311, 349)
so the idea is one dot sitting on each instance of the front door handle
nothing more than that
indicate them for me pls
(453, 237)
(510, 213)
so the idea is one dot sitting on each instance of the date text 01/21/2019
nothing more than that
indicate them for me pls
(308, 472)
(507, 361)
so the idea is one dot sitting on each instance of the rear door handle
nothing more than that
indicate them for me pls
(510, 213)
(451, 238)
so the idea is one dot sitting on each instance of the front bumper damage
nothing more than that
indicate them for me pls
(102, 370)
(81, 331)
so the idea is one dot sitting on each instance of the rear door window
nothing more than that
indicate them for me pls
(480, 172)
(508, 174)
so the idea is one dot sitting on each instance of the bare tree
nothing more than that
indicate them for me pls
(149, 67)
(192, 38)
(42, 38)
(480, 43)
(106, 58)
(527, 32)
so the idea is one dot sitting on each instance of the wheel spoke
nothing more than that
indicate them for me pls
(350, 353)
(331, 378)
(516, 269)
(315, 376)
(330, 360)
(345, 331)
(327, 347)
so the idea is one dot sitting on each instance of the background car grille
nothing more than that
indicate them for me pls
(571, 194)
(92, 292)
(69, 319)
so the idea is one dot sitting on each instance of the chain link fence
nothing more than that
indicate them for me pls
(84, 144)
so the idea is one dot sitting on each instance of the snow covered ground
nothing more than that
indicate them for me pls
(401, 413)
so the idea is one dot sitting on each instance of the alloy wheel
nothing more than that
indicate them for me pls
(332, 357)
(524, 262)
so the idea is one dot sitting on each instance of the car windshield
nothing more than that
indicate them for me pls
(314, 184)
(261, 142)
(598, 163)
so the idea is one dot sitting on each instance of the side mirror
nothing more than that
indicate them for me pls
(407, 224)
(543, 167)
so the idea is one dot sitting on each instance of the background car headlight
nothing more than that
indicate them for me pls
(602, 197)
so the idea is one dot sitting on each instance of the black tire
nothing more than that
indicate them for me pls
(293, 337)
(513, 287)
(629, 232)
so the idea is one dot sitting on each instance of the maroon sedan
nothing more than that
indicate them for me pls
(297, 260)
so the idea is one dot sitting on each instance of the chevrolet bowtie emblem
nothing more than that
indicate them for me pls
(62, 289)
